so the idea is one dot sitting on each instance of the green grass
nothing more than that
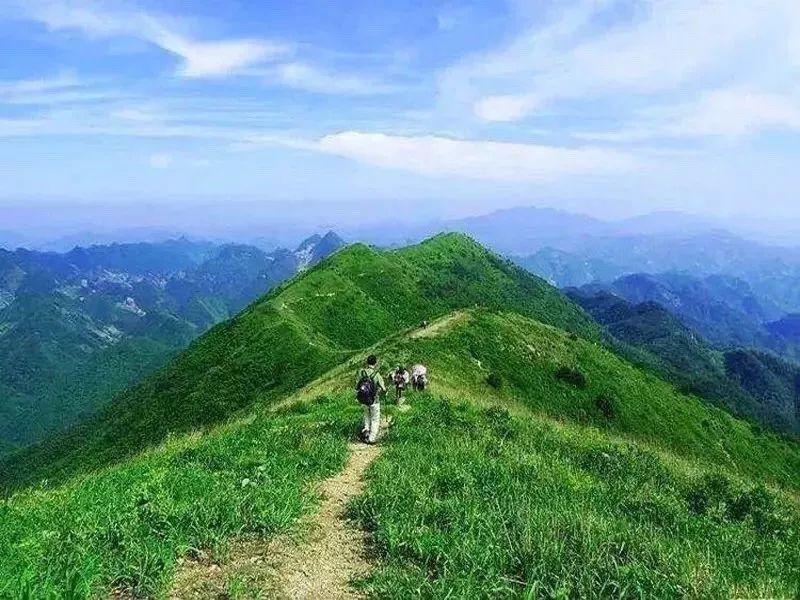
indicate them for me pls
(291, 336)
(527, 355)
(476, 503)
(525, 487)
(543, 465)
(126, 526)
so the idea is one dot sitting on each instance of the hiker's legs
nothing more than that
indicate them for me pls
(374, 421)
(365, 426)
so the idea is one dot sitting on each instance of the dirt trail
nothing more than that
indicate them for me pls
(319, 563)
(336, 551)
(439, 326)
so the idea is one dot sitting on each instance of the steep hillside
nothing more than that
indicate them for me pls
(725, 310)
(787, 328)
(549, 372)
(751, 384)
(296, 333)
(76, 328)
(541, 464)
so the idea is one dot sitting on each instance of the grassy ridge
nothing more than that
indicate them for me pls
(476, 503)
(543, 466)
(125, 527)
(518, 486)
(293, 335)
(522, 357)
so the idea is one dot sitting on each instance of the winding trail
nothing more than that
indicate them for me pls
(318, 563)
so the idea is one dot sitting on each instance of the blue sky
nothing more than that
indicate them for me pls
(603, 106)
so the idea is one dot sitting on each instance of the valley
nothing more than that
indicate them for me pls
(76, 328)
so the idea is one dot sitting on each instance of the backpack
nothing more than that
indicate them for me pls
(420, 381)
(366, 390)
(399, 378)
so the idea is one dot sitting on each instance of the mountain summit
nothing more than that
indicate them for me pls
(348, 302)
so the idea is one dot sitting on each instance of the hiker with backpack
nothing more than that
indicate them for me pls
(400, 378)
(419, 377)
(369, 387)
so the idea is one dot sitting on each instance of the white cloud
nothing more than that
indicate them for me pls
(166, 160)
(136, 115)
(60, 89)
(727, 112)
(199, 58)
(737, 112)
(215, 58)
(35, 86)
(473, 159)
(665, 46)
(307, 77)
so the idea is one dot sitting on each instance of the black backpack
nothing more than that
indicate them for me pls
(366, 390)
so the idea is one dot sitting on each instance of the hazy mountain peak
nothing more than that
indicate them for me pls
(316, 247)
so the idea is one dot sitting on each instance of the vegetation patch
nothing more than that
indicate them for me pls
(467, 503)
(572, 376)
(605, 404)
(495, 380)
(125, 527)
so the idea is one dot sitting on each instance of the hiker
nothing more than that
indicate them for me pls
(369, 387)
(419, 377)
(400, 378)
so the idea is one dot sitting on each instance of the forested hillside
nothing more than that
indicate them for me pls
(76, 328)
(750, 383)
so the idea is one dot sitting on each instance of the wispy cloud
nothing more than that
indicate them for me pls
(273, 60)
(662, 47)
(58, 89)
(313, 79)
(512, 107)
(729, 113)
(473, 159)
(161, 160)
(34, 86)
(168, 160)
(200, 58)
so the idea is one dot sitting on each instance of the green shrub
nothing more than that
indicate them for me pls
(605, 404)
(495, 380)
(572, 376)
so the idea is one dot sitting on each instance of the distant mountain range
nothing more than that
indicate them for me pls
(723, 309)
(749, 382)
(77, 327)
(525, 230)
(771, 272)
(725, 291)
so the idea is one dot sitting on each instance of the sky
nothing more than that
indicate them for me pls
(315, 108)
